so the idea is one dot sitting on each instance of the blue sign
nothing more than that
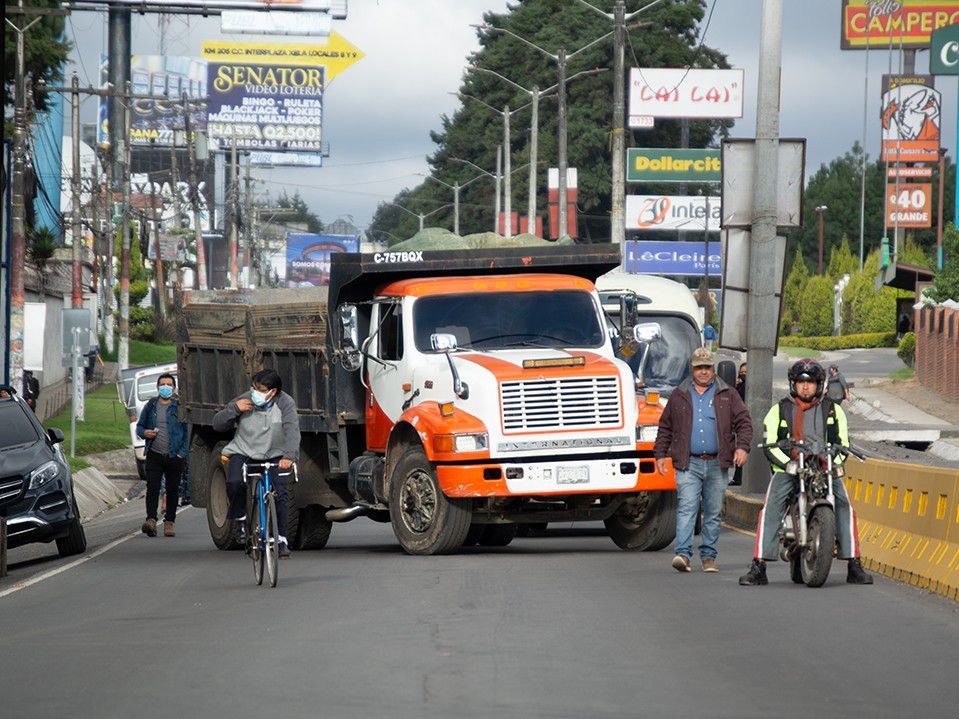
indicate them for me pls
(308, 257)
(668, 257)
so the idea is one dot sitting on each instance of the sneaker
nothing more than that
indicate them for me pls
(168, 530)
(709, 564)
(855, 574)
(239, 530)
(756, 575)
(681, 563)
(149, 527)
(284, 551)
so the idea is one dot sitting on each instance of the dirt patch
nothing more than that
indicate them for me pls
(926, 399)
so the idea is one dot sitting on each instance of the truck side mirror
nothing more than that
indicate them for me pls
(442, 342)
(349, 348)
(647, 332)
(446, 343)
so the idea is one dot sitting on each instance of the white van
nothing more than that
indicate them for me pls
(135, 387)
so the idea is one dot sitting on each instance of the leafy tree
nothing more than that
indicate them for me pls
(43, 245)
(793, 293)
(946, 285)
(668, 39)
(911, 253)
(841, 261)
(301, 212)
(137, 270)
(816, 311)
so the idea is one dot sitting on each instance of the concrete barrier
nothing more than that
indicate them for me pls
(94, 492)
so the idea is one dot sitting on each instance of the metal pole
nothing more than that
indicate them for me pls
(118, 68)
(76, 297)
(942, 178)
(175, 186)
(862, 179)
(234, 225)
(98, 275)
(123, 353)
(507, 177)
(248, 221)
(111, 231)
(194, 198)
(761, 317)
(561, 143)
(499, 179)
(820, 211)
(456, 208)
(617, 209)
(422, 217)
(533, 159)
(160, 280)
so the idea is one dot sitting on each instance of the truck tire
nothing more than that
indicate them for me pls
(473, 535)
(425, 521)
(199, 460)
(315, 528)
(76, 540)
(498, 535)
(221, 529)
(645, 526)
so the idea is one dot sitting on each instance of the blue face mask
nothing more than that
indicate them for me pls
(166, 391)
(259, 398)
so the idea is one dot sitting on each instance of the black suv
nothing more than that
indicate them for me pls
(36, 491)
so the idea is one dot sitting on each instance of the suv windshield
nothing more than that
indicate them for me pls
(15, 427)
(503, 320)
(668, 361)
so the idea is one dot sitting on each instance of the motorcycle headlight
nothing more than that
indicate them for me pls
(43, 474)
(792, 467)
(447, 443)
(647, 432)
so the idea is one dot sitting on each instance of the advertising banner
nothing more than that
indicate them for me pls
(909, 205)
(654, 257)
(650, 164)
(672, 212)
(287, 159)
(894, 23)
(308, 257)
(666, 92)
(944, 51)
(910, 118)
(153, 122)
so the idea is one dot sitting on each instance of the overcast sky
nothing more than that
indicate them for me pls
(379, 112)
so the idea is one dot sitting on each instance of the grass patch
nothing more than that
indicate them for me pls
(106, 426)
(144, 353)
(799, 352)
(76, 463)
(902, 374)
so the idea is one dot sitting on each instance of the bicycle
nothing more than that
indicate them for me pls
(263, 536)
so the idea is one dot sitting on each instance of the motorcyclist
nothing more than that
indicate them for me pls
(808, 416)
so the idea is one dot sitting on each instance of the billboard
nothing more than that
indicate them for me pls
(672, 212)
(944, 51)
(909, 204)
(894, 23)
(910, 118)
(153, 122)
(647, 164)
(336, 8)
(308, 257)
(665, 92)
(655, 257)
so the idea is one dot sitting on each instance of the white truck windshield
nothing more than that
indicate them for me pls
(668, 362)
(507, 320)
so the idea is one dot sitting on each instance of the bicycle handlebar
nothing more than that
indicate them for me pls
(267, 466)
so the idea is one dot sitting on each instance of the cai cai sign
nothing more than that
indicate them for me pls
(652, 213)
(909, 204)
(308, 257)
(652, 257)
(906, 24)
(689, 92)
(654, 164)
(910, 118)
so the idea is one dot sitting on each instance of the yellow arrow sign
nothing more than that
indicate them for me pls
(335, 55)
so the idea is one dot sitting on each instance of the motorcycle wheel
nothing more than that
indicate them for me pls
(816, 559)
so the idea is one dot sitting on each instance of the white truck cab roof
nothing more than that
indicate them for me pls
(659, 294)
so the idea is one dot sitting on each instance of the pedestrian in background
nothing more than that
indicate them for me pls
(741, 382)
(705, 429)
(166, 449)
(709, 336)
(837, 388)
(903, 327)
(31, 389)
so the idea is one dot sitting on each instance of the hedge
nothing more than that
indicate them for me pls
(907, 349)
(844, 342)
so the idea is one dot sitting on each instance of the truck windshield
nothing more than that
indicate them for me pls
(505, 320)
(668, 361)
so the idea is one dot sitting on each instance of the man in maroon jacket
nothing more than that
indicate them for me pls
(705, 429)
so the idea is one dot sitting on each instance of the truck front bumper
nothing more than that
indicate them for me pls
(538, 478)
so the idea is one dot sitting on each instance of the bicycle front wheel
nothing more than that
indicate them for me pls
(272, 548)
(255, 540)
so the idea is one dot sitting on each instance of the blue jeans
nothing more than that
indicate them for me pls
(705, 479)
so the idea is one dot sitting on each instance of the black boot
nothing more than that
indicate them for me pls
(756, 574)
(855, 574)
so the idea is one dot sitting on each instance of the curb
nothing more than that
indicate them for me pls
(94, 492)
(742, 510)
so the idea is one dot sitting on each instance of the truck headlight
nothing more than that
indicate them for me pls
(449, 443)
(647, 432)
(43, 474)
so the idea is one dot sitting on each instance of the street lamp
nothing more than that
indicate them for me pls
(455, 187)
(420, 215)
(820, 210)
(497, 177)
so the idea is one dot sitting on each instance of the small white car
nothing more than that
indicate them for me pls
(135, 387)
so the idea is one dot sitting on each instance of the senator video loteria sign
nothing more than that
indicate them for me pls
(689, 92)
(654, 164)
(653, 213)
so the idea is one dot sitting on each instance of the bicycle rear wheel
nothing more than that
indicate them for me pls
(255, 538)
(272, 548)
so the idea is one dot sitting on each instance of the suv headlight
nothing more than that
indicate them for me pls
(447, 443)
(43, 474)
(647, 432)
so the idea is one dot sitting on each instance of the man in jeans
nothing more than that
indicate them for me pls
(705, 429)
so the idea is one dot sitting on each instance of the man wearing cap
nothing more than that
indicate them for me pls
(705, 429)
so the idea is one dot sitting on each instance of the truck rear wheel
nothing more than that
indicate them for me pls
(644, 524)
(217, 508)
(498, 535)
(315, 528)
(424, 520)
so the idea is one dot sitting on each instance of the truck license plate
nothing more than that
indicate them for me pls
(572, 475)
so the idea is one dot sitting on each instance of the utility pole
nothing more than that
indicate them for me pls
(617, 218)
(942, 178)
(194, 197)
(761, 320)
(111, 235)
(98, 246)
(160, 280)
(76, 297)
(499, 179)
(123, 353)
(248, 222)
(561, 141)
(820, 210)
(175, 185)
(118, 68)
(234, 225)
(507, 180)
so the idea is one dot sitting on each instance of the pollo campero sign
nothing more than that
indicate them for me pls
(908, 24)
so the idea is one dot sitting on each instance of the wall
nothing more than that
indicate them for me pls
(937, 349)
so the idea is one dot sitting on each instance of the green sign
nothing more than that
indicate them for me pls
(944, 51)
(656, 164)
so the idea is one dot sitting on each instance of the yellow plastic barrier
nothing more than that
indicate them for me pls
(908, 522)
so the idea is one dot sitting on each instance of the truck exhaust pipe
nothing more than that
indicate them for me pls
(346, 514)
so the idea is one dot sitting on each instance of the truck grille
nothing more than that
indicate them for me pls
(10, 488)
(575, 403)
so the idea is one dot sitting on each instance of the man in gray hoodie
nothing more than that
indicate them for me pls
(267, 429)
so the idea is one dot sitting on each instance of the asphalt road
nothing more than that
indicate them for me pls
(559, 626)
(856, 365)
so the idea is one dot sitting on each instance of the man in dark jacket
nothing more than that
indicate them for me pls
(705, 429)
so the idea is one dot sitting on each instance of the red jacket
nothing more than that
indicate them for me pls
(733, 424)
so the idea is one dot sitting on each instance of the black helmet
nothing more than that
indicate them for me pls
(806, 370)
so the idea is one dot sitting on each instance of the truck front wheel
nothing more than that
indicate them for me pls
(217, 508)
(645, 523)
(424, 520)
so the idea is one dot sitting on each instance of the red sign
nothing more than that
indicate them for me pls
(910, 118)
(894, 23)
(909, 205)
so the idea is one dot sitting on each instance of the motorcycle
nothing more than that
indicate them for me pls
(807, 534)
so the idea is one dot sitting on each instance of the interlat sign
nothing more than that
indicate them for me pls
(672, 212)
(909, 205)
(894, 23)
(667, 92)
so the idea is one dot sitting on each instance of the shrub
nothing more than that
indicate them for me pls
(907, 349)
(793, 293)
(843, 342)
(138, 290)
(864, 309)
(816, 307)
(841, 261)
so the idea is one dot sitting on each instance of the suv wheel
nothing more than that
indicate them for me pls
(76, 540)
